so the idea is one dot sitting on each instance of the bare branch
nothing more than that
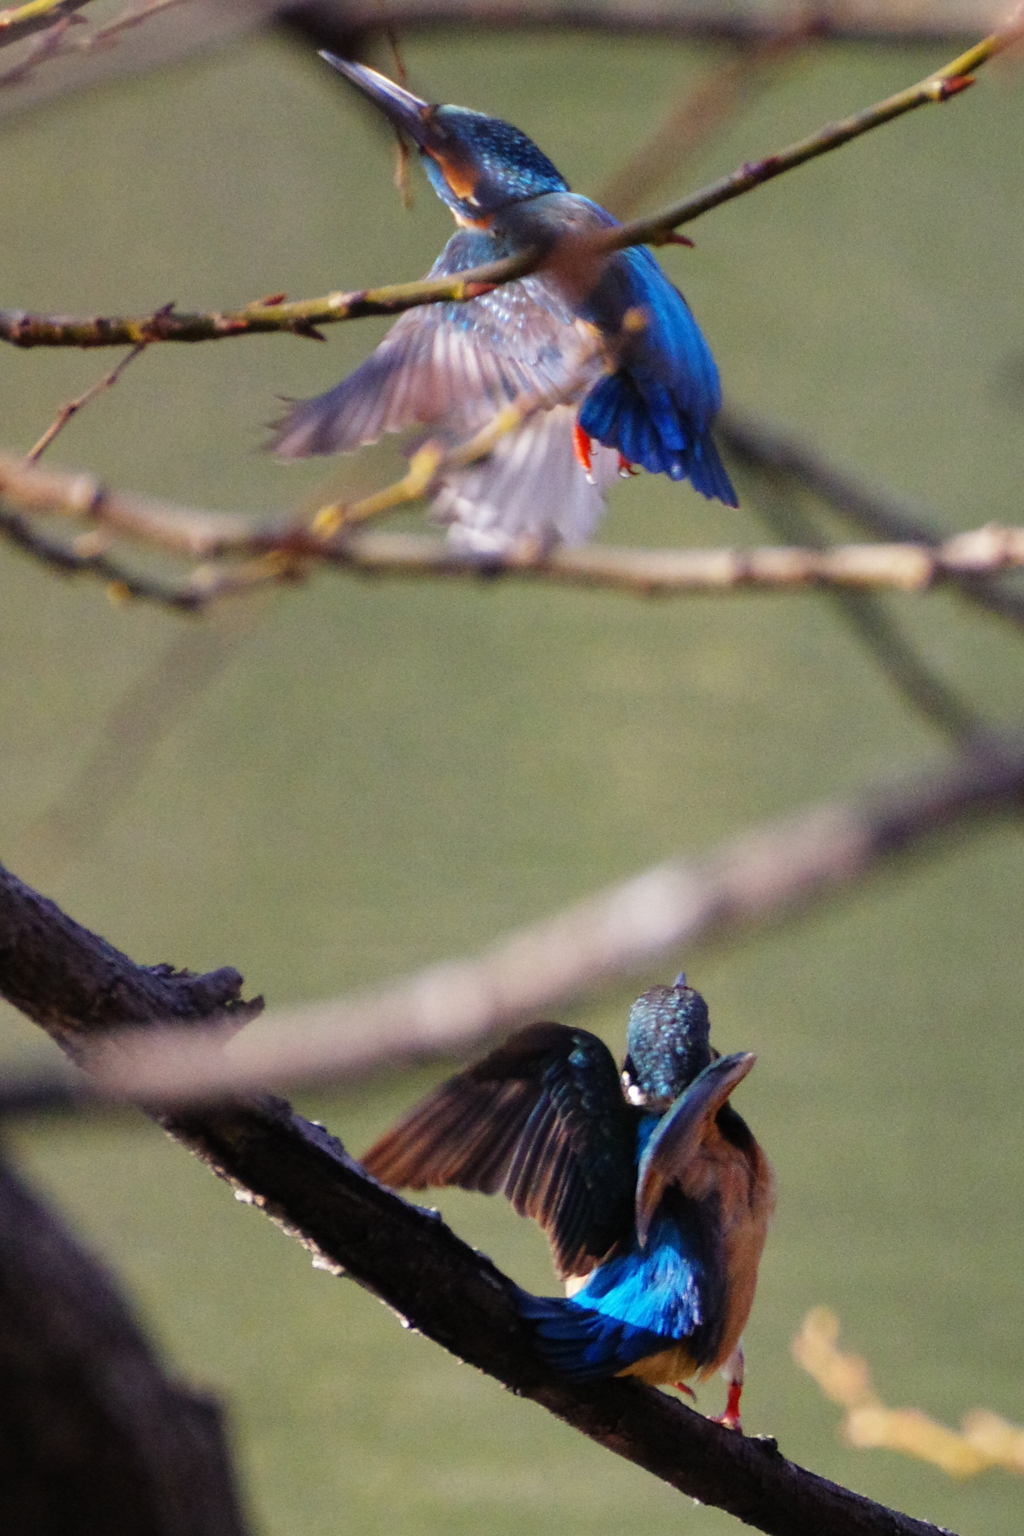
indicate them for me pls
(72, 408)
(760, 877)
(763, 447)
(18, 21)
(304, 317)
(75, 984)
(280, 549)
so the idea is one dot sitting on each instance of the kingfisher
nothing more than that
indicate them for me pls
(603, 350)
(654, 1195)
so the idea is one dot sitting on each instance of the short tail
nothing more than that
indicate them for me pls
(582, 1344)
(653, 431)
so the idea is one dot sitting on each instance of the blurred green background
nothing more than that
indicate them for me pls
(354, 778)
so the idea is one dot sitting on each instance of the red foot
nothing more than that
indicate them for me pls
(626, 469)
(730, 1419)
(581, 448)
(682, 1387)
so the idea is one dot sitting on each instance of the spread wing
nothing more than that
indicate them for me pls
(543, 1120)
(455, 364)
(530, 486)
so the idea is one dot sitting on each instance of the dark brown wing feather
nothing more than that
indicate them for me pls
(541, 1119)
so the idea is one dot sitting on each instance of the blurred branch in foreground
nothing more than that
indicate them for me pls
(701, 113)
(762, 447)
(918, 683)
(282, 549)
(757, 878)
(985, 1440)
(304, 317)
(75, 985)
(93, 1435)
(18, 21)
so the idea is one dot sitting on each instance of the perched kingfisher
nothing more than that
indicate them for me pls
(654, 1195)
(605, 348)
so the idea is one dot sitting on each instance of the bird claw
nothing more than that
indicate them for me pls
(681, 1386)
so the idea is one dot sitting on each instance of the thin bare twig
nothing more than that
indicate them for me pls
(72, 408)
(303, 318)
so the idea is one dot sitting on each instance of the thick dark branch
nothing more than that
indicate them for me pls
(76, 984)
(94, 1439)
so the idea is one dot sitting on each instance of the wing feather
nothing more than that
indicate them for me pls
(542, 1119)
(447, 364)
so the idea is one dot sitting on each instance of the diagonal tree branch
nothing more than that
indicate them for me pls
(449, 1008)
(75, 984)
(763, 447)
(304, 317)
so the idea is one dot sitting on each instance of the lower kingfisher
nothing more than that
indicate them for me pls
(605, 351)
(653, 1193)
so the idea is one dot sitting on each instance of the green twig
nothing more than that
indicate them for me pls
(306, 316)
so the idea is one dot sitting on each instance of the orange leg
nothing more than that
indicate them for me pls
(733, 1373)
(731, 1417)
(581, 447)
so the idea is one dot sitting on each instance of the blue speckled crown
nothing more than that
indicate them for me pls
(667, 1040)
(498, 160)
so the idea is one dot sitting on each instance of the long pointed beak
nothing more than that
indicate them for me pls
(681, 1131)
(399, 106)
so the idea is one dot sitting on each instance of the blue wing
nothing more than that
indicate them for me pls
(542, 1119)
(456, 364)
(658, 406)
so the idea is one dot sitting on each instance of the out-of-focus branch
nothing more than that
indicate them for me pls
(985, 1440)
(675, 907)
(280, 549)
(18, 21)
(919, 684)
(76, 984)
(702, 112)
(304, 317)
(93, 1435)
(762, 447)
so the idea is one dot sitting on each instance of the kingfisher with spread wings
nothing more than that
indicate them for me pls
(604, 352)
(652, 1190)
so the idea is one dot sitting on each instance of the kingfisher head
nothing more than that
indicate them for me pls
(476, 164)
(667, 1044)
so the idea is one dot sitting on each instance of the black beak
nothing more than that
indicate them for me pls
(400, 107)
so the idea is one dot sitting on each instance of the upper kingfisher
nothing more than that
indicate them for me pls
(607, 350)
(652, 1190)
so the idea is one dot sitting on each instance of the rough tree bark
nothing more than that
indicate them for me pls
(303, 1178)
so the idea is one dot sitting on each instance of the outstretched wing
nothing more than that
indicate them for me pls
(542, 1119)
(530, 486)
(456, 364)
